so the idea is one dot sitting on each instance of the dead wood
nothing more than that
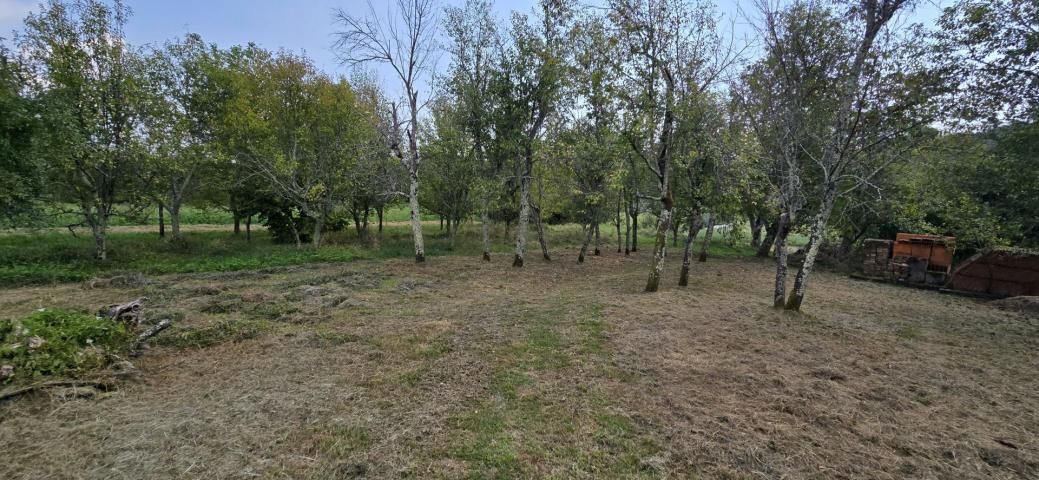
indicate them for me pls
(130, 313)
(148, 334)
(16, 392)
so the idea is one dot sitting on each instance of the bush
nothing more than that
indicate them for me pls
(58, 342)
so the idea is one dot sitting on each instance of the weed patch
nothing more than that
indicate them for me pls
(54, 342)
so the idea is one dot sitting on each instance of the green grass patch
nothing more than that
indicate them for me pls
(58, 256)
(53, 342)
(224, 330)
(524, 423)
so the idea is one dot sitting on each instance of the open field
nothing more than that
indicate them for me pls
(464, 369)
(58, 256)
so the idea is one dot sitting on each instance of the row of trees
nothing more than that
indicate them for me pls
(825, 124)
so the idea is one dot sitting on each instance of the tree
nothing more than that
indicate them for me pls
(406, 41)
(451, 167)
(301, 132)
(675, 51)
(594, 75)
(86, 79)
(530, 79)
(873, 91)
(183, 103)
(375, 176)
(20, 179)
(473, 39)
(988, 50)
(784, 97)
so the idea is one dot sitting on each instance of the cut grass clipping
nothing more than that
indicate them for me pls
(54, 342)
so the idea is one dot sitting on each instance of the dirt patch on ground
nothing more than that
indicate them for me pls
(460, 368)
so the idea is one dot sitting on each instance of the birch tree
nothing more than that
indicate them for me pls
(405, 39)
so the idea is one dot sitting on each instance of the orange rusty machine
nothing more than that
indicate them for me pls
(911, 258)
(926, 260)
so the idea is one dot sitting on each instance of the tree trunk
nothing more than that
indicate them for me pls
(441, 222)
(248, 228)
(635, 230)
(627, 233)
(687, 254)
(770, 239)
(617, 222)
(660, 246)
(378, 212)
(755, 232)
(175, 218)
(782, 230)
(319, 224)
(99, 230)
(524, 219)
(541, 233)
(452, 230)
(815, 241)
(589, 233)
(707, 235)
(416, 219)
(162, 222)
(237, 224)
(485, 226)
(598, 240)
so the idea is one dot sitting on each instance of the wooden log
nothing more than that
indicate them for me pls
(148, 334)
(130, 313)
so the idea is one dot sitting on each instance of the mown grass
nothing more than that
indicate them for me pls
(59, 256)
(524, 423)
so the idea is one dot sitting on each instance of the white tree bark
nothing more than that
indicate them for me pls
(524, 220)
(416, 219)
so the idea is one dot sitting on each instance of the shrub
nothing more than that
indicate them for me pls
(58, 342)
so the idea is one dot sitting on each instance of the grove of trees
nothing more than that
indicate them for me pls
(833, 120)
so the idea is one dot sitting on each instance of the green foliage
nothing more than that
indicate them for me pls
(981, 188)
(989, 51)
(87, 82)
(20, 176)
(72, 343)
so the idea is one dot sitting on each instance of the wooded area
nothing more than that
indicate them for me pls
(841, 121)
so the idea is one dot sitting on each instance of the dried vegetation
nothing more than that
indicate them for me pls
(459, 368)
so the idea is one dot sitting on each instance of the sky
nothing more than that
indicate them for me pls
(301, 25)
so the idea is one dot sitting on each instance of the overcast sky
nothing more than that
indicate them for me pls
(300, 25)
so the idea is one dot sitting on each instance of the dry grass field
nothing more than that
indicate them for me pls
(464, 369)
